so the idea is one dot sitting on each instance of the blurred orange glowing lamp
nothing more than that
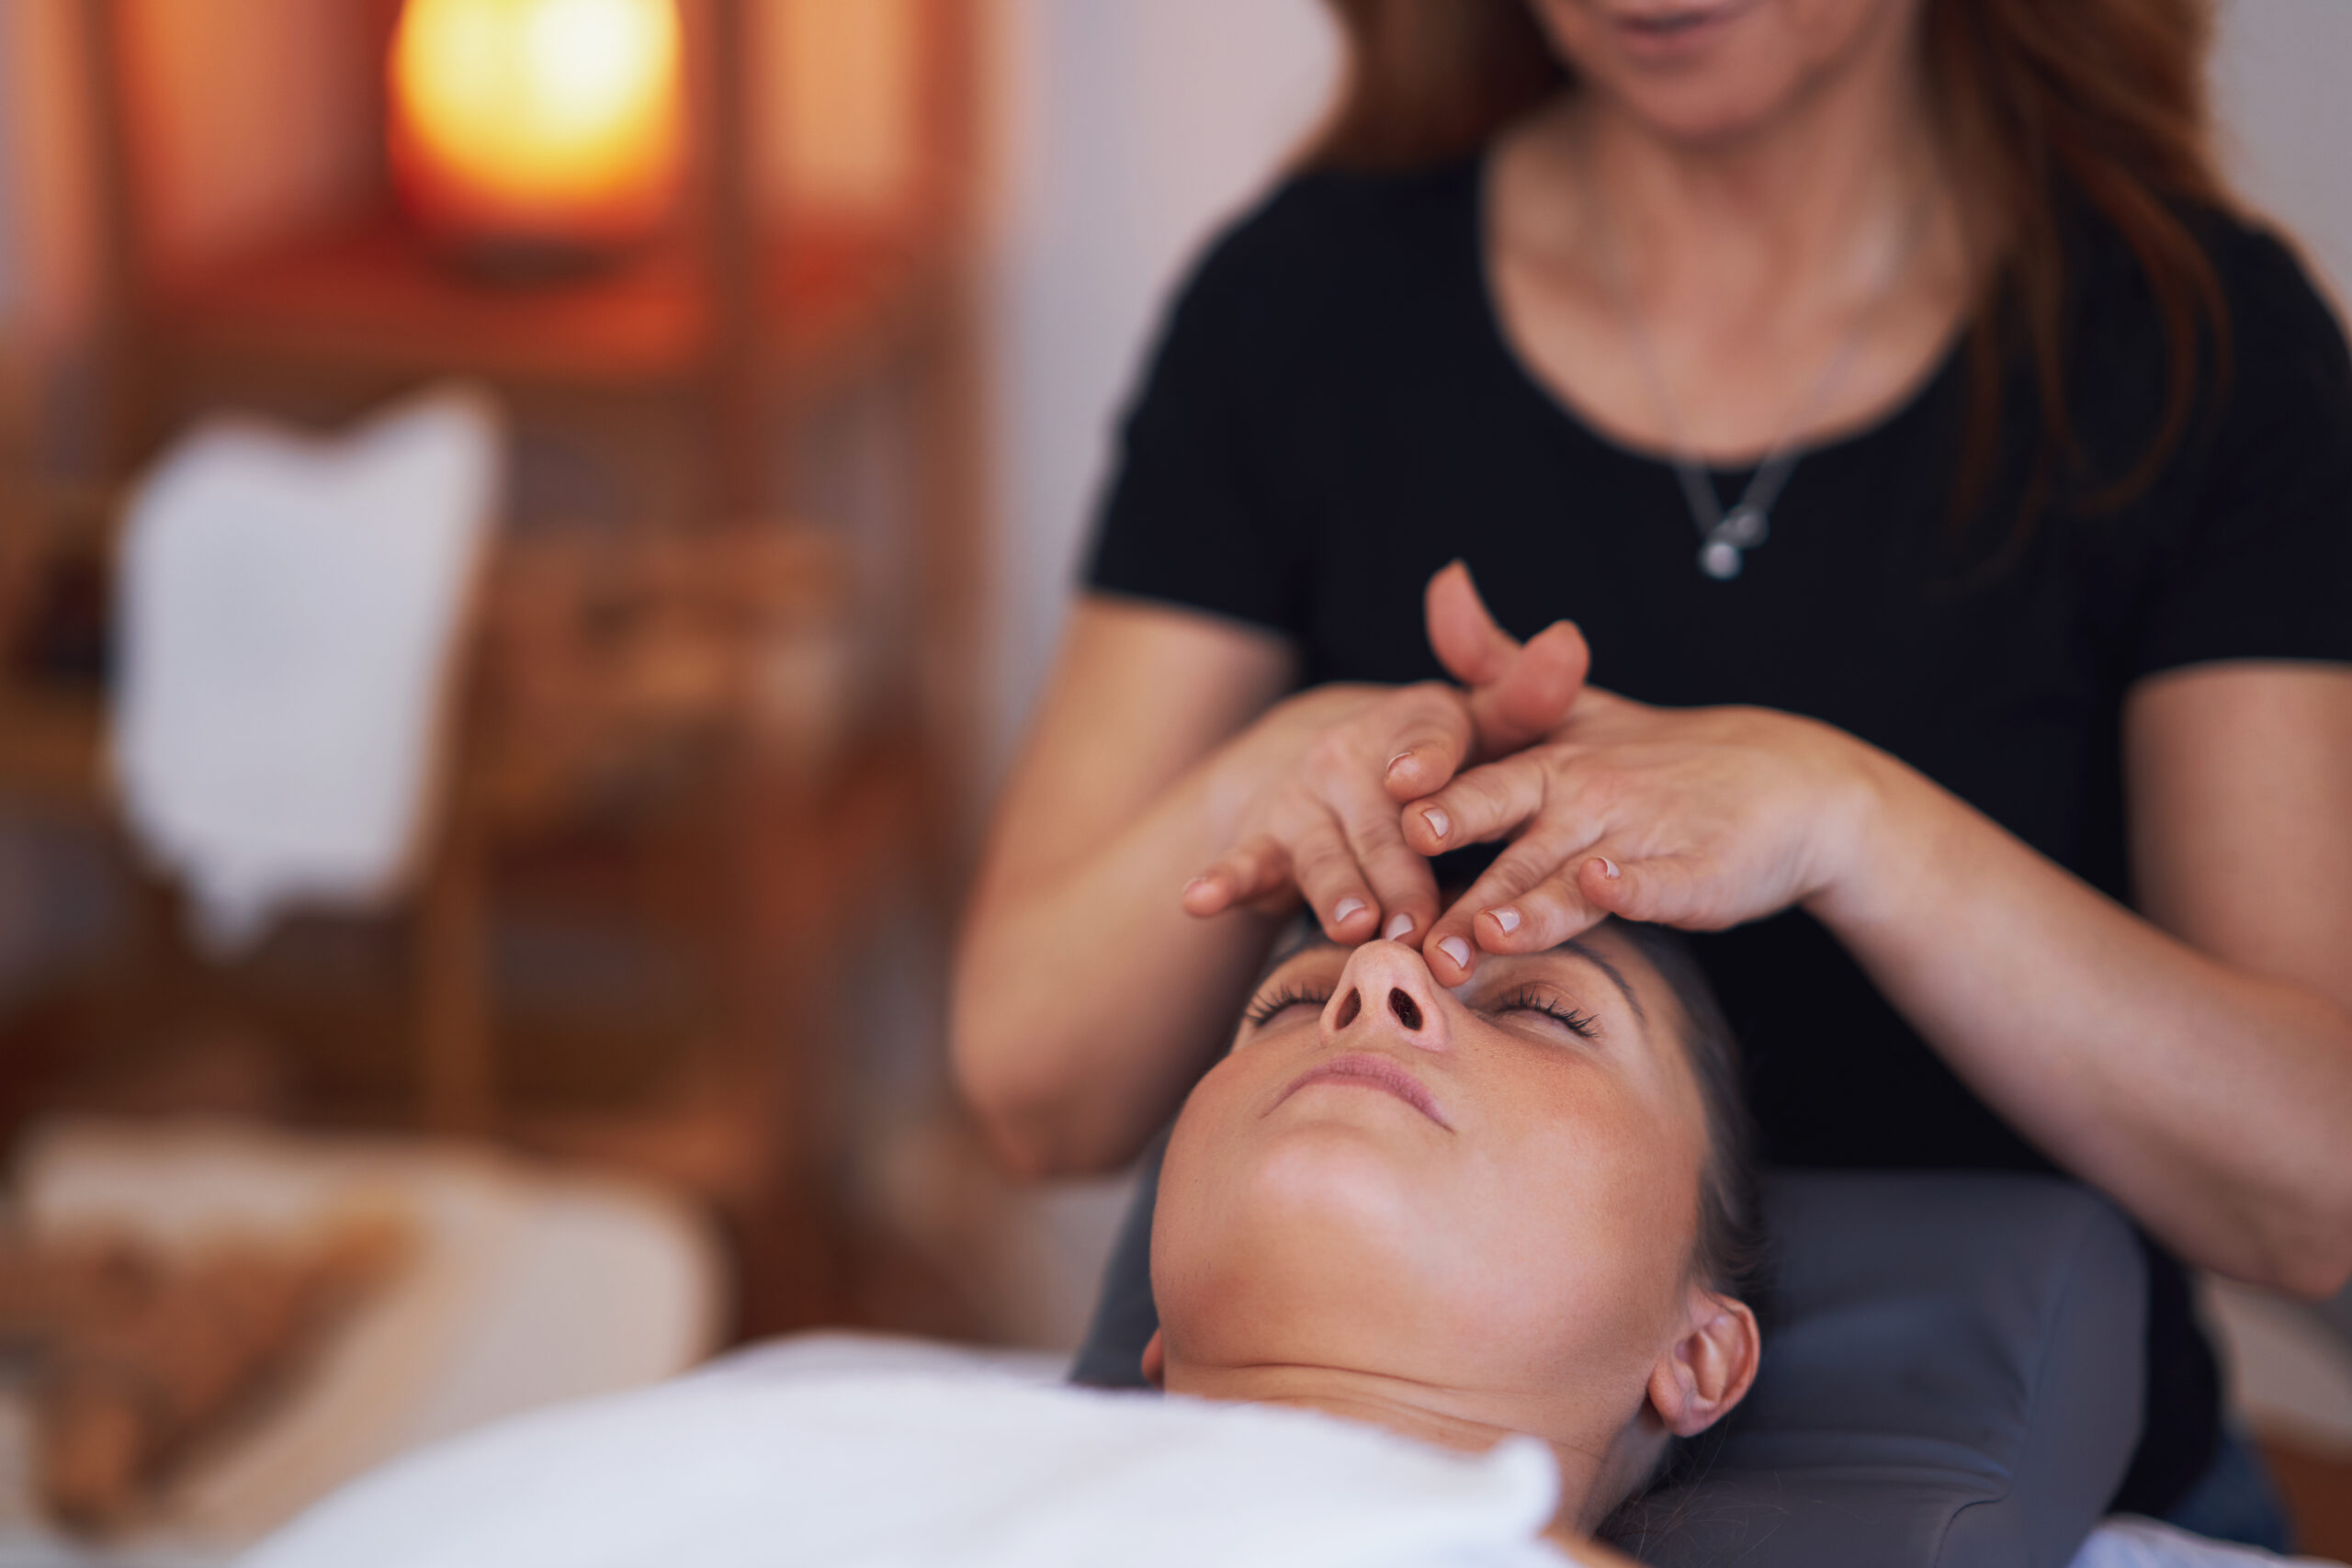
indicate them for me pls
(547, 126)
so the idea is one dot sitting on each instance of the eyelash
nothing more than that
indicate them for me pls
(1580, 1024)
(1266, 1007)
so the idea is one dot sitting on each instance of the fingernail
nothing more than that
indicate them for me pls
(1439, 823)
(1453, 947)
(1346, 909)
(1609, 868)
(1507, 918)
(1397, 759)
(1398, 925)
(1195, 885)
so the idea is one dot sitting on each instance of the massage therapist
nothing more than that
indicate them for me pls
(1948, 489)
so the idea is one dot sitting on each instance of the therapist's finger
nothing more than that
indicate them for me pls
(1543, 915)
(1532, 696)
(1327, 874)
(1484, 804)
(1473, 649)
(1460, 935)
(1254, 869)
(1403, 886)
(1516, 693)
(1666, 890)
(1428, 738)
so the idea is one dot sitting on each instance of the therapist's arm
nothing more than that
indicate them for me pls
(2195, 1063)
(1084, 996)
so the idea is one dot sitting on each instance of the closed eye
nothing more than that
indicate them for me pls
(1275, 1003)
(1543, 1005)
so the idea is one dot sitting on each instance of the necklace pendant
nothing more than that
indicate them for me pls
(1719, 559)
(1744, 526)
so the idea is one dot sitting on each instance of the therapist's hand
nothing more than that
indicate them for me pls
(1698, 817)
(1319, 778)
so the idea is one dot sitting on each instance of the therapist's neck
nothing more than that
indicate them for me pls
(1594, 1470)
(1842, 160)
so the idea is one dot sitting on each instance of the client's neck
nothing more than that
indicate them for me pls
(1451, 1418)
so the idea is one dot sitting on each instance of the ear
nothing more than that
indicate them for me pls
(1707, 1370)
(1155, 1361)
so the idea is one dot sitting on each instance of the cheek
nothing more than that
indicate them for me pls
(1198, 1183)
(1586, 1228)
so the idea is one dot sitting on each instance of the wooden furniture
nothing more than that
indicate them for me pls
(633, 687)
(690, 709)
(738, 311)
(686, 370)
(2318, 1490)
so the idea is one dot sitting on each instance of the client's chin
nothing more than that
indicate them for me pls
(1322, 1247)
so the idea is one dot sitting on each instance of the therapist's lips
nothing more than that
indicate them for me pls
(1674, 27)
(1363, 1069)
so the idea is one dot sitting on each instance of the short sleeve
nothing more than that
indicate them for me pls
(2260, 566)
(1191, 516)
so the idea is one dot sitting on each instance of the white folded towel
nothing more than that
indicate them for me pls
(288, 609)
(843, 1454)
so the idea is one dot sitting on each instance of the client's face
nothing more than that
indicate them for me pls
(1491, 1193)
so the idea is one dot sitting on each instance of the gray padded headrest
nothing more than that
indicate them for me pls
(1951, 1378)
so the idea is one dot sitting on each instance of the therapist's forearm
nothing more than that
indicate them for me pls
(2214, 1104)
(1085, 997)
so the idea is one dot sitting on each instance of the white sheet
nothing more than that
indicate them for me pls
(874, 1455)
(862, 1453)
(2126, 1542)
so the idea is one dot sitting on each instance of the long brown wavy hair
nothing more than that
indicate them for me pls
(2039, 102)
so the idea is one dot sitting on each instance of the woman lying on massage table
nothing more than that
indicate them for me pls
(1521, 1208)
(1506, 1234)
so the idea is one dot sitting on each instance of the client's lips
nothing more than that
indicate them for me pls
(1370, 1071)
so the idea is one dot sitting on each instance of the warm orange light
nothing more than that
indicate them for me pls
(538, 121)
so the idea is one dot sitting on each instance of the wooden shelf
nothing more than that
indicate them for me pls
(679, 392)
(375, 298)
(53, 744)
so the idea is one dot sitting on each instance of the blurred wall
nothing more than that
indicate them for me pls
(1131, 130)
(2279, 77)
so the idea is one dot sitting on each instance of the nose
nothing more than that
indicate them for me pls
(1385, 989)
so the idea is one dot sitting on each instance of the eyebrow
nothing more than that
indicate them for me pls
(1576, 946)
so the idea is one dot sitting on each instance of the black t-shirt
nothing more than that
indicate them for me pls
(1333, 413)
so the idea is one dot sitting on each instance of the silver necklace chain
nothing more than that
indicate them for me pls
(1725, 537)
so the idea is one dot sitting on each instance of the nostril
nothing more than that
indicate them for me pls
(1407, 1012)
(1350, 1005)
